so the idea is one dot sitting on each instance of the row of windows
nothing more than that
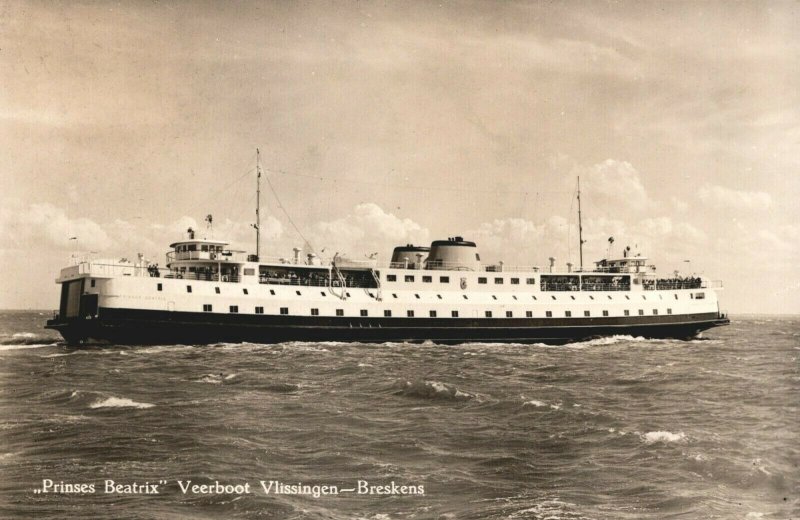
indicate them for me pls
(446, 279)
(433, 314)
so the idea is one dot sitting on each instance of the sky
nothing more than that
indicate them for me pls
(387, 123)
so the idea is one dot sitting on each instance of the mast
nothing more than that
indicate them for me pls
(580, 225)
(258, 204)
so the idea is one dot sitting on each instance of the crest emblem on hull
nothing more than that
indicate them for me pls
(463, 283)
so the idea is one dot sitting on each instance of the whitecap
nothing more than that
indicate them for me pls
(534, 402)
(663, 436)
(24, 347)
(119, 402)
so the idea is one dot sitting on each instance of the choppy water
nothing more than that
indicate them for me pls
(616, 428)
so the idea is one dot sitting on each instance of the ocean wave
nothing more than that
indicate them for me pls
(433, 390)
(27, 338)
(25, 346)
(119, 402)
(663, 436)
(282, 387)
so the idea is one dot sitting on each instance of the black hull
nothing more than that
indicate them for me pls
(132, 326)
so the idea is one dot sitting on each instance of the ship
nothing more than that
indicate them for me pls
(441, 292)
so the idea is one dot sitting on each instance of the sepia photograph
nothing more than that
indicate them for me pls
(375, 260)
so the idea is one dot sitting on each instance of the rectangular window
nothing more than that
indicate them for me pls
(387, 313)
(160, 287)
(549, 314)
(509, 314)
(409, 277)
(410, 314)
(216, 290)
(284, 310)
(586, 313)
(206, 308)
(530, 281)
(498, 281)
(641, 312)
(315, 312)
(364, 312)
(444, 279)
(568, 314)
(432, 314)
(529, 314)
(669, 311)
(233, 308)
(481, 279)
(91, 284)
(245, 291)
(188, 288)
(454, 314)
(427, 279)
(655, 312)
(259, 310)
(391, 277)
(605, 313)
(627, 312)
(488, 314)
(515, 281)
(700, 296)
(340, 312)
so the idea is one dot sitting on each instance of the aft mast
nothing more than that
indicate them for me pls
(580, 226)
(258, 204)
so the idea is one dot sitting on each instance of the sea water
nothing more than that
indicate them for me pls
(616, 428)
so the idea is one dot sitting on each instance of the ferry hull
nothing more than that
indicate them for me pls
(134, 326)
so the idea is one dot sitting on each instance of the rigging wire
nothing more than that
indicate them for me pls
(288, 217)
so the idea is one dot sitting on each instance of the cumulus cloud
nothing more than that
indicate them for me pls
(368, 229)
(721, 197)
(615, 185)
(45, 225)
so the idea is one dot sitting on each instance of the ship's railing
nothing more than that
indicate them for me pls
(659, 284)
(212, 256)
(201, 276)
(102, 269)
(712, 284)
